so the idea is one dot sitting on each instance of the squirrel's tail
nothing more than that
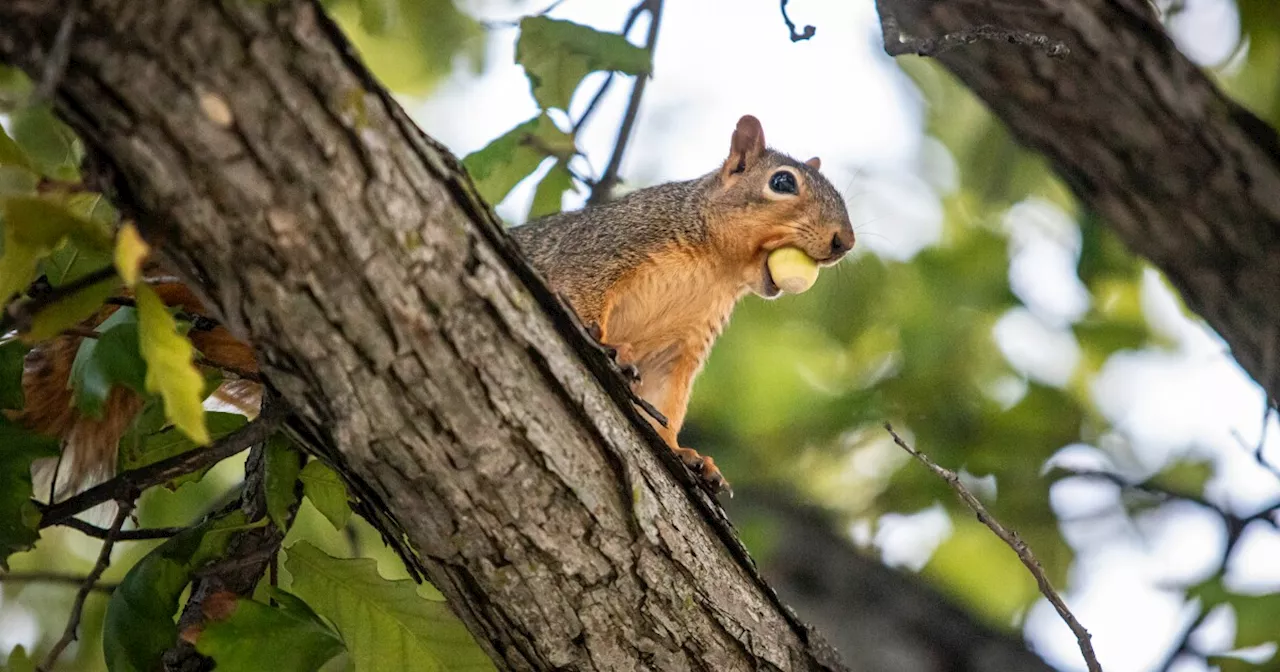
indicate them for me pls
(89, 444)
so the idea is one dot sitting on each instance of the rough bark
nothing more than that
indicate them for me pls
(391, 312)
(1188, 178)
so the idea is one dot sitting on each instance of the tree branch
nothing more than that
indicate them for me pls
(127, 485)
(480, 431)
(1192, 187)
(898, 44)
(125, 507)
(124, 535)
(59, 577)
(1011, 538)
(603, 189)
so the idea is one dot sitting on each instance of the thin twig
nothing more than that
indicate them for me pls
(603, 188)
(796, 36)
(1014, 542)
(137, 480)
(513, 23)
(632, 16)
(1267, 408)
(125, 535)
(57, 577)
(898, 44)
(77, 608)
(1184, 642)
(20, 312)
(198, 322)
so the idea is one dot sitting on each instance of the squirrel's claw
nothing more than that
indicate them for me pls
(619, 355)
(706, 470)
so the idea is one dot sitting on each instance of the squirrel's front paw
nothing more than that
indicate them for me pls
(620, 354)
(706, 469)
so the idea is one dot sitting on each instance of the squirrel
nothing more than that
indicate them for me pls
(655, 274)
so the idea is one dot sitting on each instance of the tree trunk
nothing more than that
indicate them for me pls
(391, 312)
(1188, 178)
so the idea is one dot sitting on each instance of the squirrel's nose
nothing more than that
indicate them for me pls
(841, 242)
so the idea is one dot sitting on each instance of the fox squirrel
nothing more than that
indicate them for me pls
(655, 274)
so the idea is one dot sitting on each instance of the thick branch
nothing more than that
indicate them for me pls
(395, 317)
(1187, 177)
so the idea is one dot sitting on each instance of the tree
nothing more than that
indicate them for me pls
(421, 358)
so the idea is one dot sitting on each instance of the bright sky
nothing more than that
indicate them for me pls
(838, 97)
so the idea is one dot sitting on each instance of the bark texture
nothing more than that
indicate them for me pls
(393, 315)
(1188, 178)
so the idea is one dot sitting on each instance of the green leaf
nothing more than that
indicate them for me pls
(283, 465)
(288, 638)
(1255, 614)
(34, 227)
(19, 661)
(377, 17)
(11, 154)
(12, 355)
(410, 44)
(111, 359)
(557, 54)
(171, 369)
(515, 155)
(550, 194)
(1187, 477)
(19, 519)
(69, 311)
(327, 492)
(385, 624)
(139, 624)
(53, 147)
(149, 441)
(17, 181)
(71, 262)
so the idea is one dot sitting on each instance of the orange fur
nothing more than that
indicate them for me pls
(90, 445)
(658, 272)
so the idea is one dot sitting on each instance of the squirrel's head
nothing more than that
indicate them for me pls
(763, 200)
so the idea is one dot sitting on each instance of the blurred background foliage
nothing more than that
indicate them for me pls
(952, 344)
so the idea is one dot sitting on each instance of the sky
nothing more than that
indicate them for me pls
(839, 97)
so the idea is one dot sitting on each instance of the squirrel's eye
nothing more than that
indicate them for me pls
(783, 182)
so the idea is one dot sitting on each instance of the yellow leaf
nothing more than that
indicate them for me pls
(171, 370)
(131, 249)
(69, 311)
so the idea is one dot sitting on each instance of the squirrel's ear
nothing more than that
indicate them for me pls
(747, 146)
(814, 163)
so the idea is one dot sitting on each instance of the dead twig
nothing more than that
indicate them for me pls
(57, 577)
(608, 80)
(77, 608)
(603, 188)
(1014, 542)
(96, 532)
(896, 43)
(128, 484)
(796, 36)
